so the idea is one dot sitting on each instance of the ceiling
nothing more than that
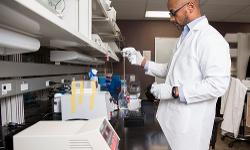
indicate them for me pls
(215, 10)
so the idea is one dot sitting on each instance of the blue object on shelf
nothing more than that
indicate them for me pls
(103, 83)
(115, 86)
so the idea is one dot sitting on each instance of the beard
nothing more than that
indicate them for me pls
(180, 26)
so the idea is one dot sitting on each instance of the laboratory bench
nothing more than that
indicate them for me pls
(137, 130)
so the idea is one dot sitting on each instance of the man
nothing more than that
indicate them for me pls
(198, 73)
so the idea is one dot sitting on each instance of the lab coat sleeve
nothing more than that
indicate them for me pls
(215, 63)
(156, 69)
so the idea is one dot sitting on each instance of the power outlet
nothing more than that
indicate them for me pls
(6, 88)
(24, 86)
(47, 83)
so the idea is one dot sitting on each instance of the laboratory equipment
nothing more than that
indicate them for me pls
(134, 119)
(96, 134)
(93, 74)
(123, 97)
(134, 93)
(129, 96)
(84, 101)
(57, 102)
(61, 88)
(87, 106)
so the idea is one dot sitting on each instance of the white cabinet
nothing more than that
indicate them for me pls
(85, 17)
(239, 51)
(74, 13)
(69, 30)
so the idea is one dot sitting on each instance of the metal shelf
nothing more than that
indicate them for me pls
(102, 24)
(231, 37)
(20, 86)
(98, 10)
(234, 52)
(18, 69)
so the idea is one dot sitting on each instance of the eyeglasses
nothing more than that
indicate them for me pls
(173, 13)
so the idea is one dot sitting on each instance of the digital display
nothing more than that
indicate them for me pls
(109, 135)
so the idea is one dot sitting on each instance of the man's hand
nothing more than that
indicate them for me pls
(134, 57)
(161, 91)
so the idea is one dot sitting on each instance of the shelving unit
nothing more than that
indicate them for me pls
(239, 52)
(66, 34)
(103, 25)
(37, 21)
(107, 29)
(72, 36)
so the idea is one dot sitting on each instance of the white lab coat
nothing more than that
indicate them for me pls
(201, 66)
(232, 104)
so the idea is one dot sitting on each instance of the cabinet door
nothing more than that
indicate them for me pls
(85, 18)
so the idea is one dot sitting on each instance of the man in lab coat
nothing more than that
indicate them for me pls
(198, 73)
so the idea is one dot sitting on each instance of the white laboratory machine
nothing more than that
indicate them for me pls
(85, 101)
(86, 106)
(96, 134)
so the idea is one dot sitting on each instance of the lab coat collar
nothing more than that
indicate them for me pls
(191, 24)
(201, 24)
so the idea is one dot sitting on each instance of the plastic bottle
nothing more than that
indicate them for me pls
(123, 97)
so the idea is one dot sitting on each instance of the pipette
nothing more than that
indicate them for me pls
(124, 69)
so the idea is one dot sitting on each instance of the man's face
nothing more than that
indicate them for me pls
(179, 12)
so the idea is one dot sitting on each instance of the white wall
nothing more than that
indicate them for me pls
(163, 51)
